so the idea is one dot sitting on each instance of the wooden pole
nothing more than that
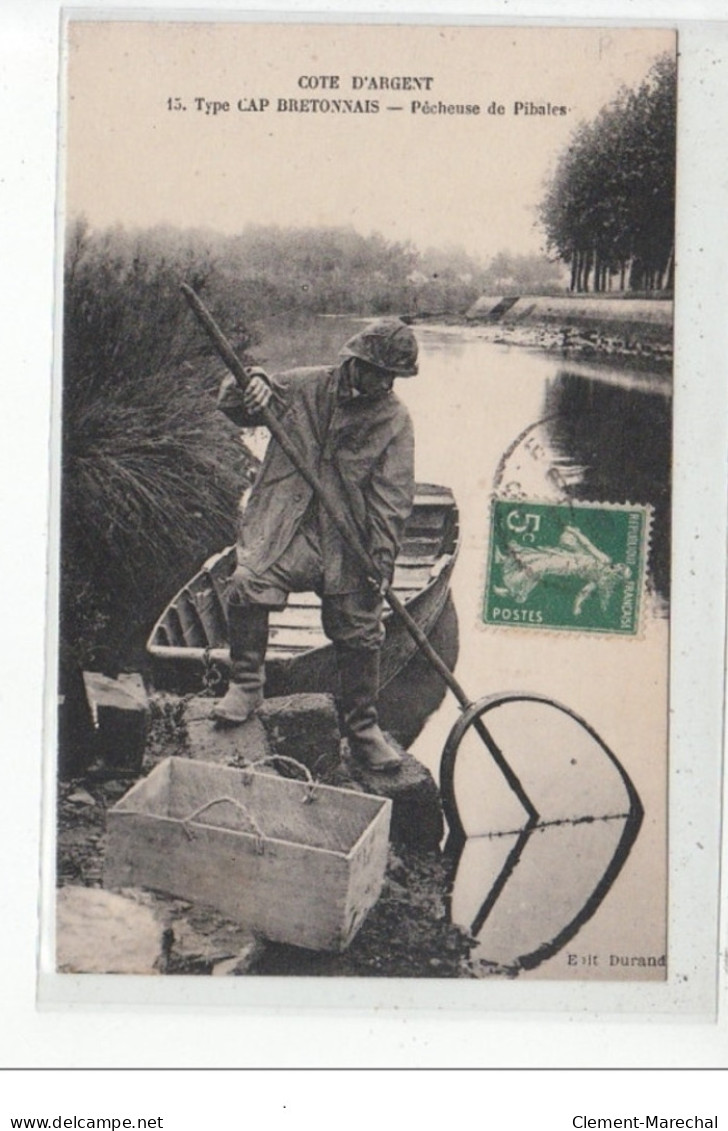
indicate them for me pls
(328, 501)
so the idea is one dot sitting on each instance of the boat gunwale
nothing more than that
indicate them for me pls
(203, 654)
(440, 568)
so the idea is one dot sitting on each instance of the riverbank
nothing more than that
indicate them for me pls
(633, 331)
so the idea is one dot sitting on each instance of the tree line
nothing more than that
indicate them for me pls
(609, 208)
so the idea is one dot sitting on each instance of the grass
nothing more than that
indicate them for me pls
(151, 472)
(151, 477)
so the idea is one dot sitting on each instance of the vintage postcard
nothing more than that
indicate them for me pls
(364, 562)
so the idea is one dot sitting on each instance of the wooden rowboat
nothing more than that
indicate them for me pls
(189, 643)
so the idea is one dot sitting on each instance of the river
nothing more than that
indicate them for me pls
(528, 424)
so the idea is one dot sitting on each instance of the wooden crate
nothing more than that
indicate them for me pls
(297, 864)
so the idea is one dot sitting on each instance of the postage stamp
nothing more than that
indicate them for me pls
(567, 566)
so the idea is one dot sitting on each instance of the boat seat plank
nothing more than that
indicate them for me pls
(410, 566)
(413, 578)
(431, 518)
(278, 651)
(304, 600)
(437, 500)
(295, 637)
(194, 625)
(421, 547)
(308, 617)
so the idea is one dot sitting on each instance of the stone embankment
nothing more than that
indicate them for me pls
(633, 331)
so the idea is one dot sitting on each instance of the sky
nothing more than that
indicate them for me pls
(413, 171)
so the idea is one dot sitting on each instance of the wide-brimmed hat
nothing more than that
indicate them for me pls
(388, 344)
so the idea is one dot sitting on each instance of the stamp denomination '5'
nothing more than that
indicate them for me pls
(567, 566)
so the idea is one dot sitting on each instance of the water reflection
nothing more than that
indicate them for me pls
(621, 443)
(598, 443)
(541, 886)
(524, 883)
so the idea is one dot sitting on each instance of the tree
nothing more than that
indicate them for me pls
(609, 208)
(521, 274)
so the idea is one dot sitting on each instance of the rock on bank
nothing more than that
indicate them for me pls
(637, 330)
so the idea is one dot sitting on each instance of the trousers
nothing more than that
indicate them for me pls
(351, 619)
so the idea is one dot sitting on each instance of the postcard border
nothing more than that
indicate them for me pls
(699, 801)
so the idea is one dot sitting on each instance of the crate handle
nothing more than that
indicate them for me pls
(310, 783)
(259, 834)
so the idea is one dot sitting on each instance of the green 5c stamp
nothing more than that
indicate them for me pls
(574, 566)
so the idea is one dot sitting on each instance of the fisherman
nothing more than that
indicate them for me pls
(356, 437)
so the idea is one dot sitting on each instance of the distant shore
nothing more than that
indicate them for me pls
(630, 331)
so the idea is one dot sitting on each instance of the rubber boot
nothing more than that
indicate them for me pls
(248, 626)
(359, 675)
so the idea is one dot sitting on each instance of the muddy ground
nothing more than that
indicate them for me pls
(407, 934)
